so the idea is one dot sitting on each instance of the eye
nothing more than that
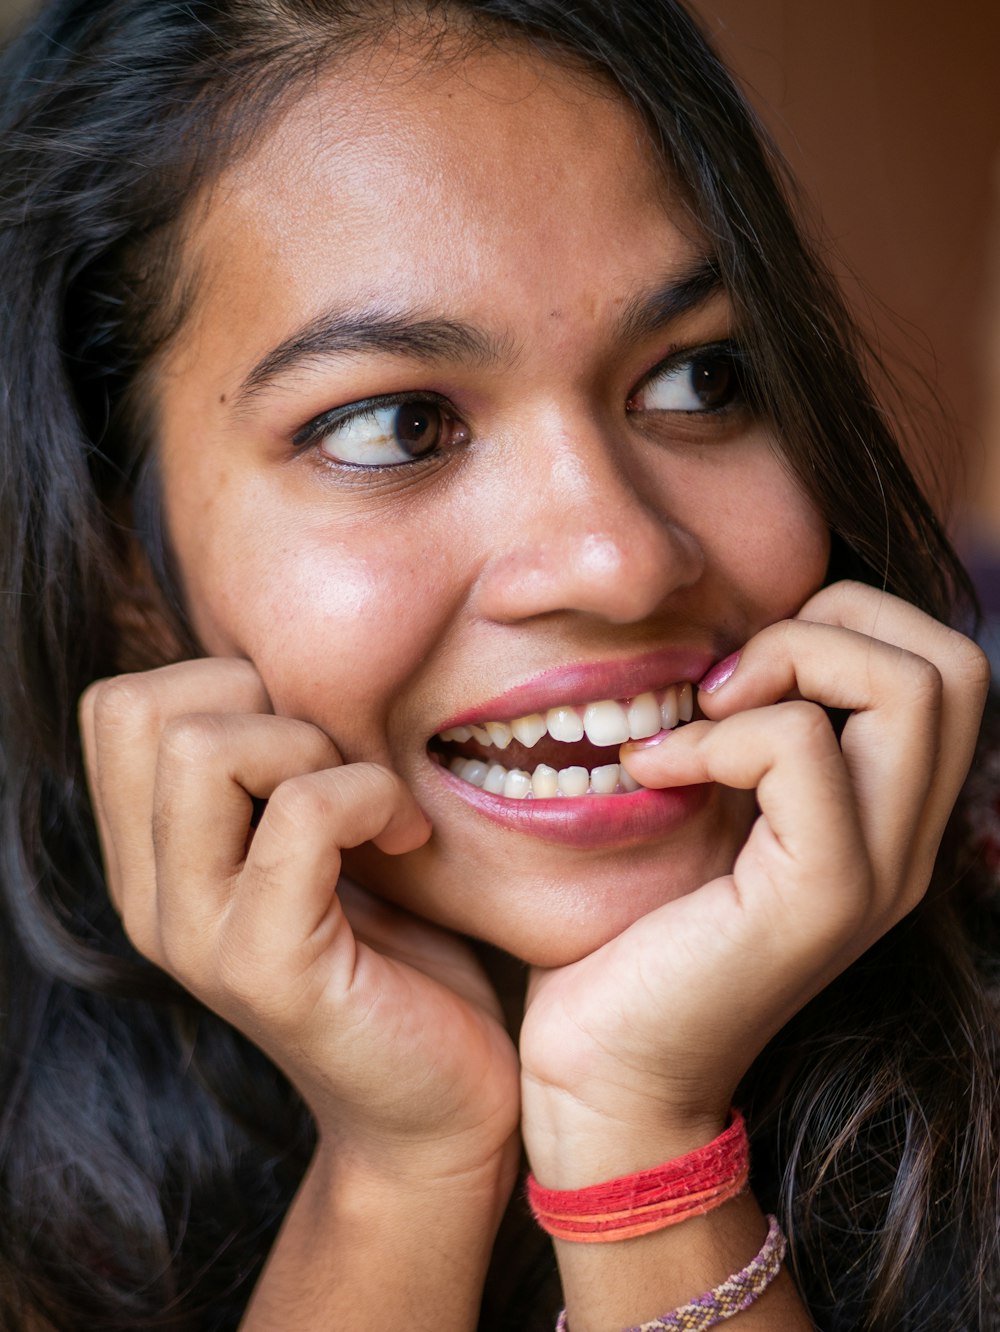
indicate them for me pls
(384, 432)
(708, 380)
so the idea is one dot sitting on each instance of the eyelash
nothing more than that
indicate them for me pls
(353, 411)
(728, 350)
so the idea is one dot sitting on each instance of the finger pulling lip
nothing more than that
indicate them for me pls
(590, 821)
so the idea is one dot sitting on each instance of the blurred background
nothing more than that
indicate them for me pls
(889, 114)
(11, 11)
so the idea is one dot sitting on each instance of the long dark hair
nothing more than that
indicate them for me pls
(147, 1151)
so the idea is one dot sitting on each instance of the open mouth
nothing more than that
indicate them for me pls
(564, 752)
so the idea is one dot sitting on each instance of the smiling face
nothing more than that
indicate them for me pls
(454, 435)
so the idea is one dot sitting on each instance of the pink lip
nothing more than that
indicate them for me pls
(590, 822)
(588, 682)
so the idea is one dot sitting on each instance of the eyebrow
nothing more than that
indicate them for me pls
(415, 336)
(394, 333)
(648, 313)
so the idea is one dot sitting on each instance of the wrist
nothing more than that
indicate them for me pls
(571, 1145)
(406, 1181)
(364, 1246)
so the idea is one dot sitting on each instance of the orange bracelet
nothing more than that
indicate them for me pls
(651, 1199)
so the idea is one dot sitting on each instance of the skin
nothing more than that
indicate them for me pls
(566, 532)
(347, 616)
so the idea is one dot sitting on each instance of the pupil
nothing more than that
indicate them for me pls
(417, 427)
(712, 381)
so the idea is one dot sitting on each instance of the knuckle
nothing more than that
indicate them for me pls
(785, 640)
(315, 746)
(123, 702)
(301, 801)
(330, 800)
(193, 739)
(972, 665)
(832, 603)
(244, 682)
(780, 635)
(804, 725)
(846, 590)
(300, 804)
(373, 782)
(924, 683)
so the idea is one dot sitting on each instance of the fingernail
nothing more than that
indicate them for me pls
(719, 674)
(651, 740)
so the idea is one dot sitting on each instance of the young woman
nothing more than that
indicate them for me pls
(520, 702)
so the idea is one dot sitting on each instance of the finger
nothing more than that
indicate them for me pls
(788, 754)
(208, 768)
(916, 691)
(801, 901)
(285, 894)
(362, 802)
(963, 666)
(122, 720)
(892, 739)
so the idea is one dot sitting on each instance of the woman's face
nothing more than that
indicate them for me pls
(553, 495)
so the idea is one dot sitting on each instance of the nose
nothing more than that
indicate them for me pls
(584, 527)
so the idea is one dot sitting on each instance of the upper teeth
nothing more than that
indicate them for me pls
(607, 722)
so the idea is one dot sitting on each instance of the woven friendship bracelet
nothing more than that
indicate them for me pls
(651, 1199)
(734, 1295)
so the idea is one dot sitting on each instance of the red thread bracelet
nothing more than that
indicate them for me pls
(650, 1199)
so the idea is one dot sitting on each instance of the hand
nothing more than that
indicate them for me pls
(650, 1035)
(387, 1026)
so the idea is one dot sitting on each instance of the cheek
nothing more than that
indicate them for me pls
(334, 624)
(773, 543)
(786, 560)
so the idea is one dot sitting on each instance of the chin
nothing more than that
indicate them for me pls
(560, 949)
(543, 914)
(557, 937)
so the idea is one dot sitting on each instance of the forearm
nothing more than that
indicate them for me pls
(626, 1282)
(363, 1251)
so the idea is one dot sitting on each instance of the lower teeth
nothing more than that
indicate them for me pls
(545, 783)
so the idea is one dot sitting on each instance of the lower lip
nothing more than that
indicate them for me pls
(592, 821)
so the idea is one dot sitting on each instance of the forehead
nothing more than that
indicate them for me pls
(483, 179)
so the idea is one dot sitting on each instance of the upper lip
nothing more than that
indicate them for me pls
(589, 682)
